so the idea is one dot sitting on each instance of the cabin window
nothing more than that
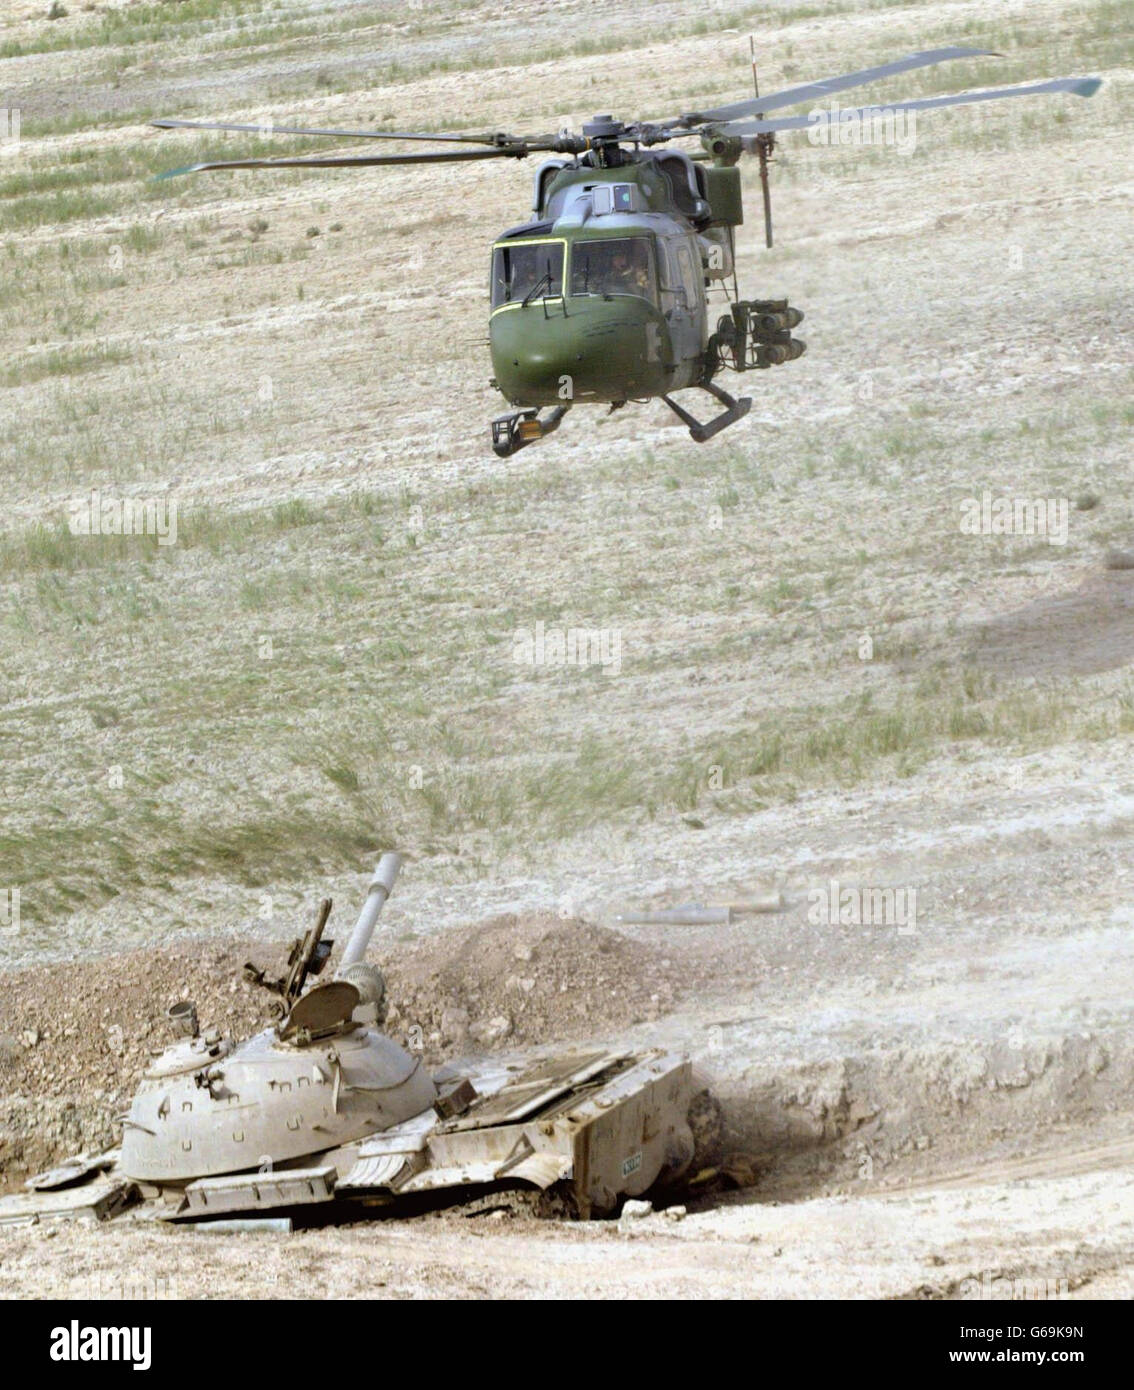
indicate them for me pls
(688, 274)
(618, 265)
(524, 268)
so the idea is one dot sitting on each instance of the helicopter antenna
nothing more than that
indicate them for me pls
(764, 145)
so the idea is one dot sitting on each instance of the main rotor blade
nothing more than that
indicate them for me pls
(1080, 86)
(347, 161)
(265, 128)
(814, 91)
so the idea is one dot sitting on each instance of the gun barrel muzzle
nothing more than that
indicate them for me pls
(381, 885)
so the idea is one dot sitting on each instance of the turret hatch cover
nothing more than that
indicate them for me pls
(321, 1008)
(72, 1170)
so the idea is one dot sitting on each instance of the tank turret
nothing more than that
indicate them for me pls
(319, 1078)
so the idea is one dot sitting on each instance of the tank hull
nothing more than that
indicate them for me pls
(590, 1128)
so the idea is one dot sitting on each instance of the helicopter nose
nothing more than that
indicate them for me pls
(585, 348)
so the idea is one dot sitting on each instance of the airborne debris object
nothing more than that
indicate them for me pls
(696, 915)
(691, 915)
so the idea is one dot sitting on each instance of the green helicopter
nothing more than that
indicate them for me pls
(607, 293)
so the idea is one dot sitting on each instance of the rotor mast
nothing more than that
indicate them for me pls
(764, 146)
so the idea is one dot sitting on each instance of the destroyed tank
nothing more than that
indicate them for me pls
(324, 1111)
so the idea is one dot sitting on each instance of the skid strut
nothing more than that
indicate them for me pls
(735, 410)
(513, 432)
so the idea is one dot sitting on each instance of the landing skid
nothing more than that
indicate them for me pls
(513, 432)
(735, 410)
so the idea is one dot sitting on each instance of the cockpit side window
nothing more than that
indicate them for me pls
(615, 265)
(525, 268)
(687, 273)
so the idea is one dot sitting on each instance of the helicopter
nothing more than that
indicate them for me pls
(603, 295)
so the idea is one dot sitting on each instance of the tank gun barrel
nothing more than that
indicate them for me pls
(381, 885)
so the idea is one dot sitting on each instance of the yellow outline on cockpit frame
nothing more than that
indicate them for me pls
(529, 241)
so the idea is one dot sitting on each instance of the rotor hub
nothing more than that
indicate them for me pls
(604, 128)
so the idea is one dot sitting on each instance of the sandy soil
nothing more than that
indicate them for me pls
(1038, 1237)
(924, 1108)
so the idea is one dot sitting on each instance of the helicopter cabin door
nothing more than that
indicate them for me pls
(683, 303)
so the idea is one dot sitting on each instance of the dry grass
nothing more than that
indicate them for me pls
(322, 662)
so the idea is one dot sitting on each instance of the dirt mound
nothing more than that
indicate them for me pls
(74, 1039)
(527, 979)
(78, 1027)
